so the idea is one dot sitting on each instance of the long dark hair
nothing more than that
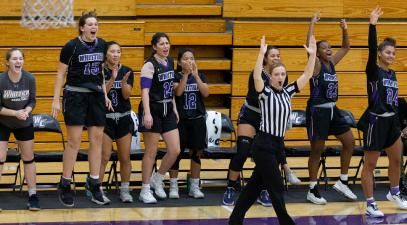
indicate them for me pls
(156, 38)
(84, 17)
(269, 48)
(180, 55)
(110, 43)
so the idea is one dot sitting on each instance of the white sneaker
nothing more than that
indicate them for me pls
(125, 195)
(195, 192)
(398, 200)
(157, 184)
(344, 190)
(146, 196)
(292, 178)
(373, 211)
(173, 194)
(314, 197)
(106, 200)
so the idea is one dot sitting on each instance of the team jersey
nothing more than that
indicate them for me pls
(382, 87)
(163, 80)
(324, 86)
(252, 97)
(84, 62)
(190, 104)
(115, 94)
(17, 96)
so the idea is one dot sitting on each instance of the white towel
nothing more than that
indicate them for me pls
(135, 140)
(214, 128)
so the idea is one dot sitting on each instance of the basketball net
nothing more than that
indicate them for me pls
(44, 14)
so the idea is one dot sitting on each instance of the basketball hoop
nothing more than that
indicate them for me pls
(44, 14)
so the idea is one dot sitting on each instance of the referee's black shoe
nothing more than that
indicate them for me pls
(65, 194)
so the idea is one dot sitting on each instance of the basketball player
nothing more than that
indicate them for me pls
(159, 117)
(190, 88)
(119, 125)
(379, 123)
(323, 116)
(17, 100)
(84, 105)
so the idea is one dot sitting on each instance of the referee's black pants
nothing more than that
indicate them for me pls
(267, 150)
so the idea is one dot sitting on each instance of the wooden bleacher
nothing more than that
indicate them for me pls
(304, 9)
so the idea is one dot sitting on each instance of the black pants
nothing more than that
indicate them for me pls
(266, 153)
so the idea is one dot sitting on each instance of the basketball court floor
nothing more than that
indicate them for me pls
(193, 212)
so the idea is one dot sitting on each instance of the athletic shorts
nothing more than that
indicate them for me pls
(248, 116)
(381, 132)
(164, 118)
(118, 128)
(192, 133)
(322, 122)
(84, 108)
(21, 134)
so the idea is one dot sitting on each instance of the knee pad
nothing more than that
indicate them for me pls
(244, 144)
(28, 161)
(196, 157)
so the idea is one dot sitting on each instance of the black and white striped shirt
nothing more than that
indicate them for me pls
(275, 108)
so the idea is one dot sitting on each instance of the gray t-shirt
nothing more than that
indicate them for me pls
(17, 96)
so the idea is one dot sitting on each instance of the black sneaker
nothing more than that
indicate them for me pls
(93, 191)
(33, 203)
(65, 194)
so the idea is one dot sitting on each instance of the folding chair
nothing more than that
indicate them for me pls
(46, 123)
(13, 156)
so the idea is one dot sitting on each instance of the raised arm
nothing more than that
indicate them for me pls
(345, 43)
(309, 68)
(372, 40)
(314, 19)
(258, 80)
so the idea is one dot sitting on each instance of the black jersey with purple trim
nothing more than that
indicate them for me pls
(190, 104)
(163, 80)
(115, 94)
(324, 86)
(382, 87)
(84, 62)
(252, 97)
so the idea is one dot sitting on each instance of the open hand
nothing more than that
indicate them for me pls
(375, 14)
(312, 46)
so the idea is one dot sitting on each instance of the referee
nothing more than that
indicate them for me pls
(268, 145)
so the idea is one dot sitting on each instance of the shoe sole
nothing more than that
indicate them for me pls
(152, 202)
(228, 204)
(199, 197)
(99, 202)
(34, 209)
(340, 192)
(316, 203)
(127, 201)
(373, 216)
(65, 204)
